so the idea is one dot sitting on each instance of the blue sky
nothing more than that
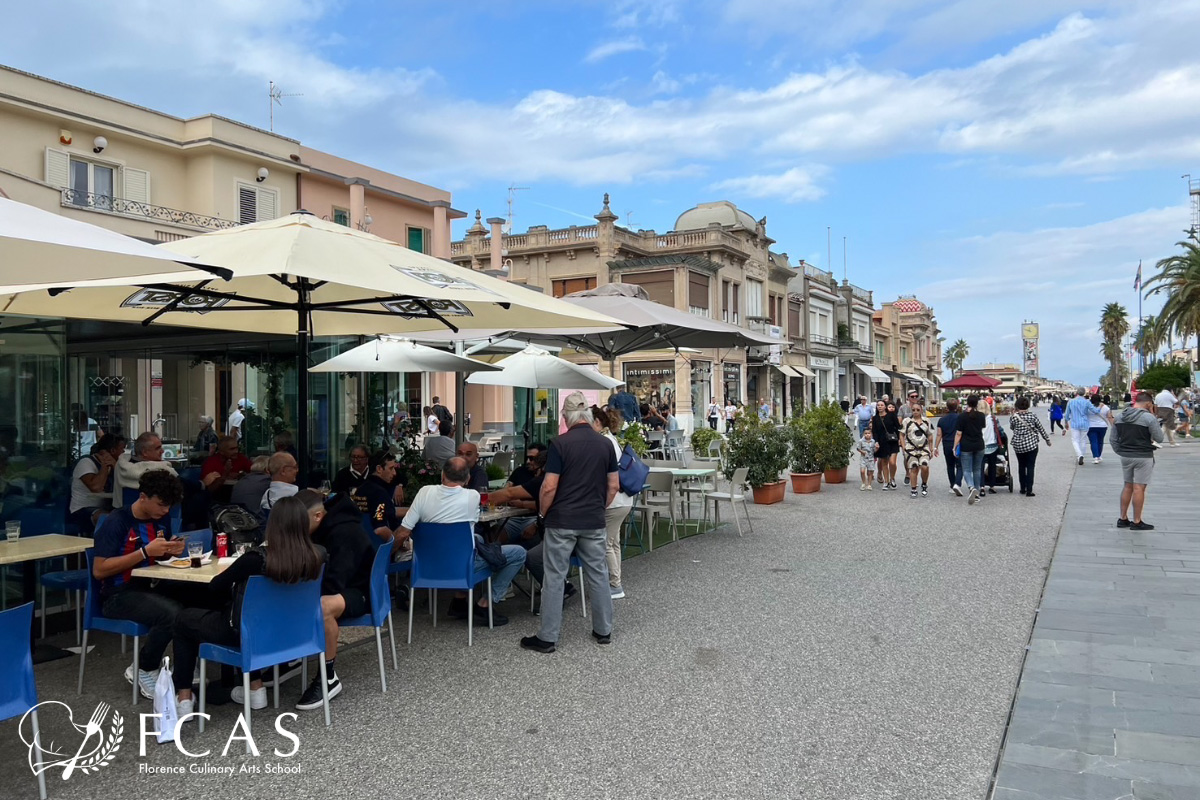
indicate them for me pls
(1002, 160)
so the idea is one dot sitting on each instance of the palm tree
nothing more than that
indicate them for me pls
(1114, 324)
(955, 356)
(1179, 277)
(1151, 336)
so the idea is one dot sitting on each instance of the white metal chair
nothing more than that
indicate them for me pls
(673, 445)
(736, 494)
(504, 460)
(654, 503)
(660, 438)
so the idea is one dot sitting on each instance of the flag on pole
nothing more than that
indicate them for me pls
(1137, 282)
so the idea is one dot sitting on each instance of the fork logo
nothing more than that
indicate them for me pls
(94, 747)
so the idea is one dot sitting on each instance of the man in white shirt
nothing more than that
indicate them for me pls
(236, 419)
(451, 501)
(1165, 403)
(283, 469)
(147, 456)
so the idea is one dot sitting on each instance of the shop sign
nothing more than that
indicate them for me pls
(820, 363)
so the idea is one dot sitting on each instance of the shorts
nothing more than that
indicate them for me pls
(912, 460)
(356, 604)
(867, 464)
(1137, 470)
(1167, 417)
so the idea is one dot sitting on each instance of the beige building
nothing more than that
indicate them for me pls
(908, 347)
(716, 262)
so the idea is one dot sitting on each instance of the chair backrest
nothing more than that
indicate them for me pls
(660, 481)
(714, 448)
(129, 495)
(91, 604)
(204, 536)
(655, 436)
(504, 460)
(18, 693)
(280, 621)
(380, 597)
(443, 555)
(738, 481)
(39, 521)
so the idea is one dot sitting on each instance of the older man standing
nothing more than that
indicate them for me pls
(580, 482)
(146, 457)
(1078, 417)
(206, 437)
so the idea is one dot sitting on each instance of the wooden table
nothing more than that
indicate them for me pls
(48, 545)
(503, 512)
(204, 574)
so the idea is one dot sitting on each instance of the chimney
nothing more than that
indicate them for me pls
(497, 243)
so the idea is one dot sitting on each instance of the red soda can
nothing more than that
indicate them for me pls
(222, 545)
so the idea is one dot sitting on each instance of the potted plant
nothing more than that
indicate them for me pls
(805, 460)
(701, 439)
(762, 448)
(833, 440)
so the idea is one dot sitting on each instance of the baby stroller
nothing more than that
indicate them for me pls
(1003, 471)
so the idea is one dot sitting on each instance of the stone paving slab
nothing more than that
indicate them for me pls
(1108, 705)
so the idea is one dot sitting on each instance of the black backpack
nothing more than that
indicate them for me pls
(238, 525)
(443, 414)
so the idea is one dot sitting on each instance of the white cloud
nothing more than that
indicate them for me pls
(796, 185)
(662, 83)
(614, 48)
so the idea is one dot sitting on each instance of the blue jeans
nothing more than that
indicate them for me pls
(862, 426)
(1096, 438)
(972, 468)
(954, 470)
(514, 558)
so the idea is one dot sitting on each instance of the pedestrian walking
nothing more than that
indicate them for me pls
(863, 411)
(1056, 415)
(580, 483)
(886, 430)
(916, 437)
(730, 413)
(995, 444)
(866, 447)
(968, 441)
(714, 414)
(1098, 428)
(946, 426)
(1026, 428)
(1134, 434)
(1166, 403)
(1079, 415)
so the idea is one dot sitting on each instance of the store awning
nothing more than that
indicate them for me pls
(876, 375)
(804, 372)
(908, 376)
(793, 372)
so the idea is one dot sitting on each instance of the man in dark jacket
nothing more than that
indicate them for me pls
(375, 496)
(345, 587)
(1137, 430)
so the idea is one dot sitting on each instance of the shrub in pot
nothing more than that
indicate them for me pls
(701, 439)
(762, 448)
(832, 438)
(805, 461)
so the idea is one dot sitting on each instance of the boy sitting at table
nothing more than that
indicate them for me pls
(132, 537)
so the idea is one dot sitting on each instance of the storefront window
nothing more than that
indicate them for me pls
(733, 383)
(651, 381)
(702, 392)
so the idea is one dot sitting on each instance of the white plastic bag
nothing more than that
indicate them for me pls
(164, 703)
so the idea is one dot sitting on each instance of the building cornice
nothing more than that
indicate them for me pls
(698, 263)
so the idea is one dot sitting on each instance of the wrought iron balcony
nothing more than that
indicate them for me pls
(73, 198)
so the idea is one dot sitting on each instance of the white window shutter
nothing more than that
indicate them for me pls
(58, 168)
(137, 185)
(247, 205)
(267, 205)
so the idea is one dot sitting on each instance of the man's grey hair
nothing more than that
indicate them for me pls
(455, 471)
(278, 462)
(1079, 391)
(259, 464)
(144, 442)
(575, 409)
(207, 420)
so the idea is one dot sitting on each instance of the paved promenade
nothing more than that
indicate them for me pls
(1109, 700)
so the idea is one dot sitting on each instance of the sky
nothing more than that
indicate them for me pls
(1003, 160)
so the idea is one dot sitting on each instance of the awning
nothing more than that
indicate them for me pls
(908, 376)
(876, 375)
(804, 372)
(794, 372)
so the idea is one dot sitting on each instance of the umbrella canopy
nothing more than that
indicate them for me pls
(40, 250)
(650, 326)
(971, 380)
(301, 273)
(535, 368)
(400, 355)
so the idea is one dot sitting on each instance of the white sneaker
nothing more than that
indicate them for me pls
(973, 497)
(957, 490)
(1095, 461)
(146, 681)
(618, 592)
(1175, 444)
(185, 707)
(862, 487)
(258, 697)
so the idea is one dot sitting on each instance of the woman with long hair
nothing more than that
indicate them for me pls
(885, 428)
(607, 425)
(288, 557)
(1098, 427)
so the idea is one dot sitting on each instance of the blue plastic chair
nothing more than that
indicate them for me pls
(444, 558)
(18, 692)
(576, 564)
(204, 536)
(381, 608)
(94, 620)
(280, 622)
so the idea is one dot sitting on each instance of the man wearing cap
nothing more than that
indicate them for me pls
(580, 481)
(237, 419)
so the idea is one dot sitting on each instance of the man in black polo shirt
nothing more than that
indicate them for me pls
(580, 482)
(376, 497)
(525, 473)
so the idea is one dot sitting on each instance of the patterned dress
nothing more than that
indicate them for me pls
(916, 441)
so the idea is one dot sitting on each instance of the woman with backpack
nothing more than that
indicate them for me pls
(289, 557)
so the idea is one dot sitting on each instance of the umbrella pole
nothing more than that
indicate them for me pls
(460, 398)
(303, 337)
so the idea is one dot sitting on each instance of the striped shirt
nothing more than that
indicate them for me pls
(1079, 413)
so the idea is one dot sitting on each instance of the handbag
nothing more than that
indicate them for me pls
(491, 553)
(631, 472)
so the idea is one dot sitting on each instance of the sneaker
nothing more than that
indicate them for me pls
(312, 695)
(185, 707)
(258, 697)
(1099, 459)
(1123, 523)
(924, 490)
(1141, 526)
(870, 487)
(1095, 461)
(957, 490)
(602, 638)
(1030, 494)
(991, 490)
(534, 643)
(906, 480)
(1080, 461)
(892, 485)
(286, 672)
(973, 497)
(146, 681)
(618, 592)
(862, 487)
(1175, 444)
(569, 591)
(913, 493)
(481, 618)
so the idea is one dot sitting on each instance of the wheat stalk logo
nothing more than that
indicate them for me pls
(97, 747)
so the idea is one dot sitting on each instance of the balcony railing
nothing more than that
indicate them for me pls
(73, 198)
(816, 338)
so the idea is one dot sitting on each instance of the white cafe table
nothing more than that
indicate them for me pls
(186, 574)
(503, 512)
(48, 545)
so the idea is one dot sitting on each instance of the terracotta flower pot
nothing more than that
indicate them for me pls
(806, 482)
(836, 475)
(769, 494)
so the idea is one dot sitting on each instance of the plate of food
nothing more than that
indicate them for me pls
(184, 561)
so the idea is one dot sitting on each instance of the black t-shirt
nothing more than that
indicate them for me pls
(948, 425)
(971, 424)
(376, 499)
(479, 479)
(533, 487)
(583, 460)
(521, 476)
(345, 482)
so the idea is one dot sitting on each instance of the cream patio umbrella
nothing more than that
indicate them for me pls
(535, 368)
(303, 274)
(42, 250)
(387, 354)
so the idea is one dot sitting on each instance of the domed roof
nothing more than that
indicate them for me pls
(723, 212)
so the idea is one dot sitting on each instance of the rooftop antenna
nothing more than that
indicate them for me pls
(845, 275)
(1193, 195)
(629, 220)
(276, 95)
(512, 195)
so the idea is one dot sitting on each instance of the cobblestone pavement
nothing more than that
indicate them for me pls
(1109, 699)
(855, 645)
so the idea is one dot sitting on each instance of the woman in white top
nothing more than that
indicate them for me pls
(730, 413)
(605, 422)
(1098, 428)
(714, 414)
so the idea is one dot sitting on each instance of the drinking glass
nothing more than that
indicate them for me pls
(195, 553)
(12, 530)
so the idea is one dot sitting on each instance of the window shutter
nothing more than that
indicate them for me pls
(58, 166)
(660, 285)
(698, 290)
(267, 205)
(247, 205)
(137, 185)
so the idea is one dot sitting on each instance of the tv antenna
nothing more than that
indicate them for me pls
(276, 95)
(512, 195)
